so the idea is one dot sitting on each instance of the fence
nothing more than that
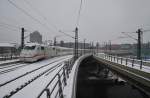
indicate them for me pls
(8, 56)
(140, 64)
(54, 89)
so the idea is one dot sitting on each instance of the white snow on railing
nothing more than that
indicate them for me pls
(133, 63)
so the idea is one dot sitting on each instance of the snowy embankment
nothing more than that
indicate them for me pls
(46, 69)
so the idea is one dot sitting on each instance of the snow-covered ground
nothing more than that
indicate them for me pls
(8, 61)
(8, 76)
(36, 87)
(68, 90)
(33, 89)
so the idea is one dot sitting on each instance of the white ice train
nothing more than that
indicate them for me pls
(33, 52)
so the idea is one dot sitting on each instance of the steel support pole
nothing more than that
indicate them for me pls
(84, 46)
(139, 44)
(22, 38)
(76, 44)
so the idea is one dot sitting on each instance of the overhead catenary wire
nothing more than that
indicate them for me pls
(54, 26)
(143, 30)
(77, 21)
(69, 34)
(79, 14)
(13, 26)
(40, 14)
(35, 19)
(10, 25)
(129, 36)
(8, 28)
(66, 34)
(26, 13)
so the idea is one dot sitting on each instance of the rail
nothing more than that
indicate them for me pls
(54, 89)
(134, 63)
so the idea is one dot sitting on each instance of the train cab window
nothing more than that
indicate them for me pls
(42, 48)
(29, 47)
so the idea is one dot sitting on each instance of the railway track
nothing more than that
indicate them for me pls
(45, 69)
(6, 63)
(14, 67)
(9, 81)
(32, 80)
(9, 65)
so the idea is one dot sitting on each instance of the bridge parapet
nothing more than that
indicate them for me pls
(54, 89)
(70, 89)
(136, 72)
(134, 63)
(63, 80)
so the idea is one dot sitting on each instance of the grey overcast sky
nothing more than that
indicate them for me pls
(100, 20)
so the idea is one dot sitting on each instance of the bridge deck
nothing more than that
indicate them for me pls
(135, 71)
(79, 83)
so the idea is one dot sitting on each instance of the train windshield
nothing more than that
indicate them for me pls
(29, 47)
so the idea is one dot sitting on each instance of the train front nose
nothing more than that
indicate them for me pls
(26, 55)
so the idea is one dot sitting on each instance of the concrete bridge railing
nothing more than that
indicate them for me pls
(134, 63)
(136, 72)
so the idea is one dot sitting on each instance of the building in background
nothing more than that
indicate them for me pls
(71, 45)
(36, 37)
